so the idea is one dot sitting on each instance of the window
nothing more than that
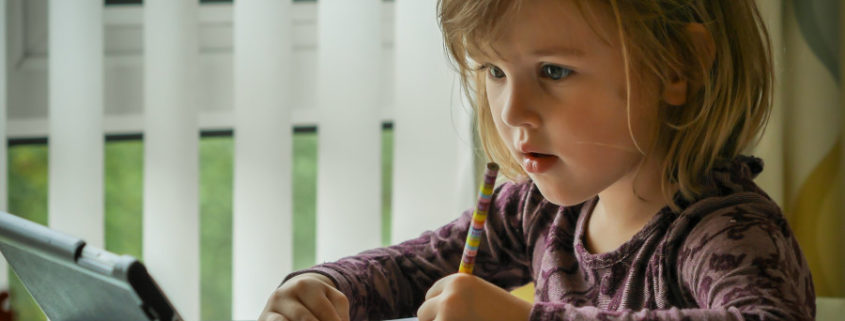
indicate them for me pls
(124, 157)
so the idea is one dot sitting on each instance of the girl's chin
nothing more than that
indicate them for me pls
(560, 197)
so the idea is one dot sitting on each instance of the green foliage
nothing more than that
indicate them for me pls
(304, 200)
(28, 199)
(124, 161)
(386, 184)
(215, 193)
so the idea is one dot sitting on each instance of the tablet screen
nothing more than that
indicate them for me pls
(72, 281)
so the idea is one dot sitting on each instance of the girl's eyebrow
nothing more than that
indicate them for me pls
(559, 50)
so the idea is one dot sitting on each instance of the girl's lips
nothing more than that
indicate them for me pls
(537, 163)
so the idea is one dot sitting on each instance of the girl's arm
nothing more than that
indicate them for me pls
(739, 263)
(391, 282)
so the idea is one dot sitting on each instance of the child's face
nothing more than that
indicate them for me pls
(557, 93)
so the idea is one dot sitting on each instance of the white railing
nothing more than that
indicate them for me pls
(257, 67)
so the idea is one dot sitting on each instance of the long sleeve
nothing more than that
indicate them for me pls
(391, 282)
(739, 262)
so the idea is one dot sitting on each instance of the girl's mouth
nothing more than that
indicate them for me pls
(537, 163)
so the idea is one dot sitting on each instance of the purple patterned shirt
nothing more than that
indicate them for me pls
(729, 255)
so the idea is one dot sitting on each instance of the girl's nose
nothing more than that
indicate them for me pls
(520, 106)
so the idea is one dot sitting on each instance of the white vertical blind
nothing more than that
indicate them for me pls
(4, 169)
(432, 170)
(76, 139)
(349, 146)
(171, 214)
(262, 246)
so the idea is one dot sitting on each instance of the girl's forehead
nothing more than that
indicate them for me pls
(569, 27)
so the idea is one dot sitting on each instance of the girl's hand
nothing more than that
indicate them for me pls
(308, 296)
(465, 297)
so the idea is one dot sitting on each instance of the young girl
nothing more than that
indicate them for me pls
(621, 123)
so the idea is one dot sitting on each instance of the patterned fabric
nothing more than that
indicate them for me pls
(728, 256)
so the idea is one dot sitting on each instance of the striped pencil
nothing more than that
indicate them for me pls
(479, 216)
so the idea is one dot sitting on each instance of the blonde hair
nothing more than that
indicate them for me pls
(729, 95)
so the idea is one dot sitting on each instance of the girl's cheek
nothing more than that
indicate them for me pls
(495, 111)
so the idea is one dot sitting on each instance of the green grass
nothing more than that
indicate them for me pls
(124, 209)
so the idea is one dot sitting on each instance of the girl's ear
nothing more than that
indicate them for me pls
(675, 92)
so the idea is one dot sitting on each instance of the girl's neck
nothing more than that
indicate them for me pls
(620, 212)
(634, 198)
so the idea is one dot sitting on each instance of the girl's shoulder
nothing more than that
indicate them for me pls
(731, 218)
(735, 212)
(735, 243)
(730, 188)
(732, 208)
(730, 178)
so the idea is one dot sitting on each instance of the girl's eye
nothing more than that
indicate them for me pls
(495, 72)
(555, 72)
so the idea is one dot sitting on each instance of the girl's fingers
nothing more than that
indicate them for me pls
(436, 289)
(340, 302)
(428, 310)
(272, 316)
(320, 307)
(300, 312)
(287, 312)
(306, 298)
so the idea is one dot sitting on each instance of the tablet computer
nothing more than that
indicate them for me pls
(73, 281)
